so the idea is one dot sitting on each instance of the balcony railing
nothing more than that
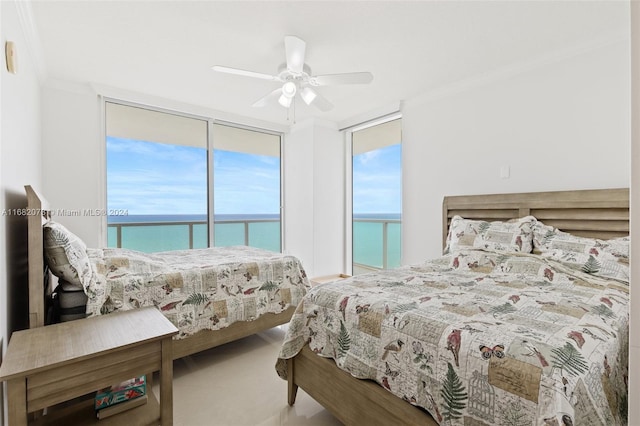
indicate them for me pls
(376, 244)
(175, 235)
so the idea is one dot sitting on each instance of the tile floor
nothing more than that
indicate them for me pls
(236, 385)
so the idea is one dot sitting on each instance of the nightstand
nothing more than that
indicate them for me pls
(49, 365)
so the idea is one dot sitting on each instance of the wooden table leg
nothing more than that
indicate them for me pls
(17, 397)
(166, 383)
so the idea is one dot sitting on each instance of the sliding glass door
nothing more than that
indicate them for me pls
(376, 197)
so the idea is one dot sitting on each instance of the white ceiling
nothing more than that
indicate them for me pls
(167, 48)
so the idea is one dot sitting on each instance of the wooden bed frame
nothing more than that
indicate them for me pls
(38, 210)
(602, 213)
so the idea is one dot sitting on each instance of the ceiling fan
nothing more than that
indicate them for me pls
(296, 78)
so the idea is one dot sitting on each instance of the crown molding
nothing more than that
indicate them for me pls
(182, 107)
(383, 111)
(32, 38)
(518, 68)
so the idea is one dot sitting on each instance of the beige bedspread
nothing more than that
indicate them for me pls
(197, 289)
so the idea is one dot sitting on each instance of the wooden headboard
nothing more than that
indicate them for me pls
(596, 213)
(38, 212)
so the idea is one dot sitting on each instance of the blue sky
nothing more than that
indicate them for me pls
(153, 178)
(377, 177)
(246, 183)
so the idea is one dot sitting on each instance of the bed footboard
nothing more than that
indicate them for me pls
(352, 401)
(207, 339)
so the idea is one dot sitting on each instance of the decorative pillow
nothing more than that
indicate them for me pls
(66, 255)
(603, 258)
(546, 238)
(512, 236)
(619, 247)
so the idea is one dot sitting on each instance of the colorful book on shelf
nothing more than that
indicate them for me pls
(120, 407)
(121, 392)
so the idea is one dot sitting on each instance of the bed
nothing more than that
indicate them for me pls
(213, 295)
(486, 334)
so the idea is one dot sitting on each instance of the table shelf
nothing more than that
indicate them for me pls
(82, 413)
(90, 354)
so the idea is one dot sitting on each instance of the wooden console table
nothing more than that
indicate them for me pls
(45, 366)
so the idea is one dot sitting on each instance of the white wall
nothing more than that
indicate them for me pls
(298, 198)
(328, 199)
(74, 154)
(20, 163)
(314, 196)
(562, 125)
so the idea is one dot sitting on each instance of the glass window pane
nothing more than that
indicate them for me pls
(157, 177)
(265, 234)
(229, 233)
(367, 242)
(377, 197)
(246, 168)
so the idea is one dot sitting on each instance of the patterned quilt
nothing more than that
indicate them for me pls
(196, 289)
(479, 338)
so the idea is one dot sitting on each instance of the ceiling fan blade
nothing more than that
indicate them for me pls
(245, 73)
(347, 78)
(268, 99)
(319, 101)
(295, 51)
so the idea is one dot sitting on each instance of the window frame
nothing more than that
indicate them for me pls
(210, 120)
(211, 175)
(349, 181)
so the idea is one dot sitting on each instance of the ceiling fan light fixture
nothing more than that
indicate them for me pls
(289, 89)
(308, 95)
(285, 101)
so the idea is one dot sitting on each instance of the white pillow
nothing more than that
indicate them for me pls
(66, 255)
(512, 236)
(547, 238)
(604, 258)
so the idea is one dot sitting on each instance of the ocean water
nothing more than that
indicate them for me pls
(141, 234)
(368, 240)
